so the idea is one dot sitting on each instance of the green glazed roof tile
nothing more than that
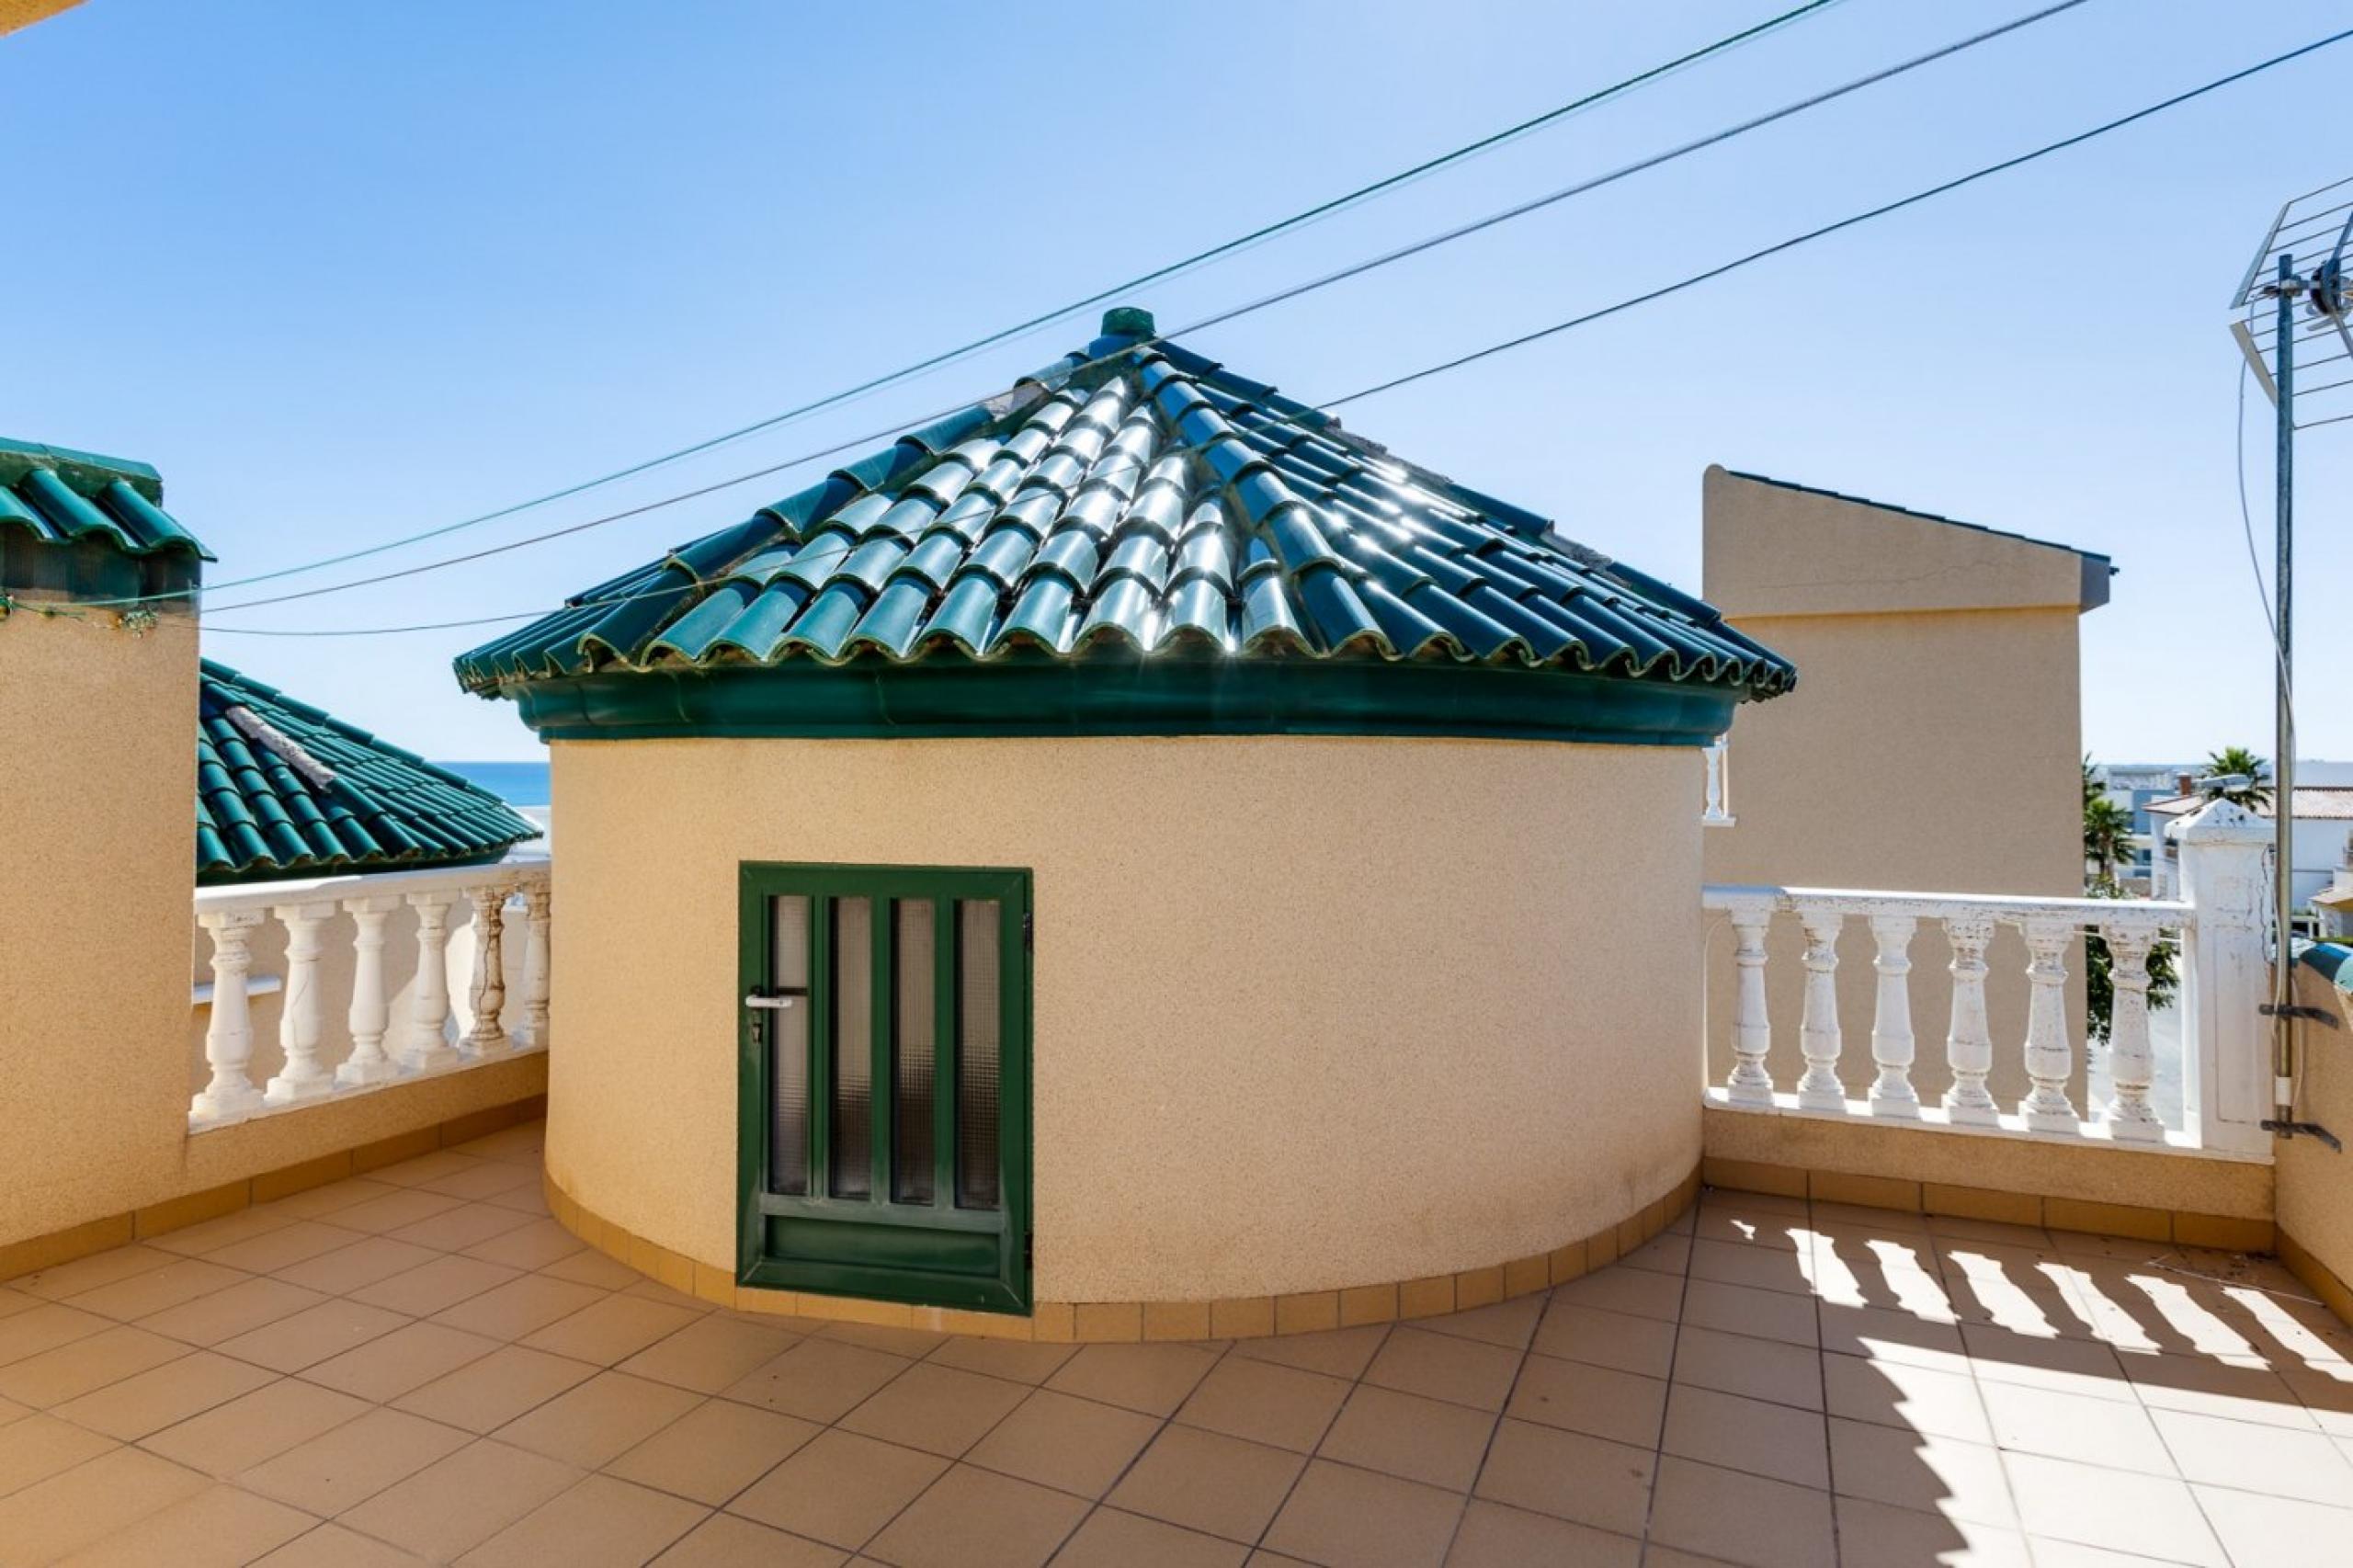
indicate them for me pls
(283, 787)
(1129, 499)
(60, 495)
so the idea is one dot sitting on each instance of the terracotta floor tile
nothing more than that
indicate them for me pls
(1111, 1539)
(520, 1144)
(1936, 1475)
(1599, 1338)
(332, 1546)
(839, 1488)
(1873, 1535)
(482, 1179)
(1509, 1323)
(600, 1420)
(818, 1379)
(1335, 1352)
(38, 1445)
(192, 1241)
(1013, 1360)
(88, 1273)
(427, 1167)
(1667, 1253)
(1622, 1406)
(223, 1314)
(1760, 1268)
(442, 1281)
(1440, 1365)
(254, 1426)
(1740, 1518)
(936, 1408)
(1404, 1434)
(318, 1202)
(520, 1307)
(283, 1246)
(485, 1394)
(454, 1230)
(1637, 1290)
(912, 1343)
(2073, 1426)
(311, 1336)
(377, 1216)
(45, 1328)
(13, 1301)
(528, 1201)
(1340, 1515)
(976, 1519)
(1886, 1335)
(1774, 1440)
(529, 1246)
(715, 1450)
(406, 1358)
(81, 1506)
(601, 1523)
(1757, 1368)
(2204, 1387)
(1569, 1476)
(2148, 1514)
(1266, 1404)
(1744, 1309)
(82, 1365)
(1155, 1379)
(458, 1502)
(1206, 1482)
(1915, 1399)
(2067, 1366)
(344, 1468)
(2210, 1449)
(611, 1330)
(221, 1527)
(591, 1268)
(363, 1263)
(1493, 1536)
(724, 1540)
(164, 1395)
(710, 1353)
(1059, 1440)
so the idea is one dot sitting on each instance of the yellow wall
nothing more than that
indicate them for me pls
(2315, 1183)
(15, 14)
(1310, 1013)
(1933, 744)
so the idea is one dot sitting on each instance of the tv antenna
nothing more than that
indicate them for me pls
(2297, 279)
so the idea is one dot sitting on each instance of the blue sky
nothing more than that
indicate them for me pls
(346, 272)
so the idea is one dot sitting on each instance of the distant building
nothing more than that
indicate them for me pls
(2323, 826)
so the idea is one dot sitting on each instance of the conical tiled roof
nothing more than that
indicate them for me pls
(1132, 502)
(283, 787)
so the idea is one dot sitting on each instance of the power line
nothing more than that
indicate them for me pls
(1157, 274)
(1219, 318)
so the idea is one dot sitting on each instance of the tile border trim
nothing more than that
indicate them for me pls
(1070, 1323)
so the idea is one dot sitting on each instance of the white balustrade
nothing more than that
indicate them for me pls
(1716, 808)
(386, 1046)
(2224, 958)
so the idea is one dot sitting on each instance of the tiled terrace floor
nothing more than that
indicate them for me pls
(421, 1365)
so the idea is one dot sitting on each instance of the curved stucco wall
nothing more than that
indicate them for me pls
(1309, 1012)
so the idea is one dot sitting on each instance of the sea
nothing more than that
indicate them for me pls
(517, 783)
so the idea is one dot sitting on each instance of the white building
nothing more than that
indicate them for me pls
(2323, 825)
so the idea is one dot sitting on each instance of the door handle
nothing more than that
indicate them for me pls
(773, 1004)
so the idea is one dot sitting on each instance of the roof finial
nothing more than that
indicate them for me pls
(1128, 320)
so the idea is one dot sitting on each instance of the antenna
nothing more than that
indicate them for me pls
(2297, 278)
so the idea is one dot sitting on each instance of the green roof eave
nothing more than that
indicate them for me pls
(1039, 695)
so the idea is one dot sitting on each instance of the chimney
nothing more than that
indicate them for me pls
(2182, 783)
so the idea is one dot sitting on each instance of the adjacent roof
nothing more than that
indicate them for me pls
(80, 524)
(1133, 505)
(2314, 803)
(283, 787)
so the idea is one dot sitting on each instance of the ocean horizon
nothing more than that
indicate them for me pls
(517, 783)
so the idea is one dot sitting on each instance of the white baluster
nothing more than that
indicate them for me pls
(1892, 1045)
(2050, 1055)
(1751, 1082)
(302, 1077)
(229, 1033)
(535, 896)
(2130, 1064)
(1717, 812)
(370, 1014)
(1969, 1042)
(426, 1050)
(488, 994)
(1818, 1038)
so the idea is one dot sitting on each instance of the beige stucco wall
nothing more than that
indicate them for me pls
(1310, 1013)
(1933, 744)
(2316, 1183)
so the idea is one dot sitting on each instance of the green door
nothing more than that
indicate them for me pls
(883, 1131)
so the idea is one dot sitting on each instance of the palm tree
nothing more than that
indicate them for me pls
(2107, 835)
(2254, 795)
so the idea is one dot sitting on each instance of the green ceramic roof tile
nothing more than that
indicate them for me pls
(1129, 500)
(59, 495)
(283, 788)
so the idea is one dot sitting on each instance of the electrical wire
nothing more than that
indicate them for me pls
(1221, 317)
(2255, 556)
(1197, 259)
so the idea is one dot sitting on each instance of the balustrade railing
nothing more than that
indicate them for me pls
(2224, 956)
(393, 1033)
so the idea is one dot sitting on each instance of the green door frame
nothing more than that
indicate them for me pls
(934, 1254)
